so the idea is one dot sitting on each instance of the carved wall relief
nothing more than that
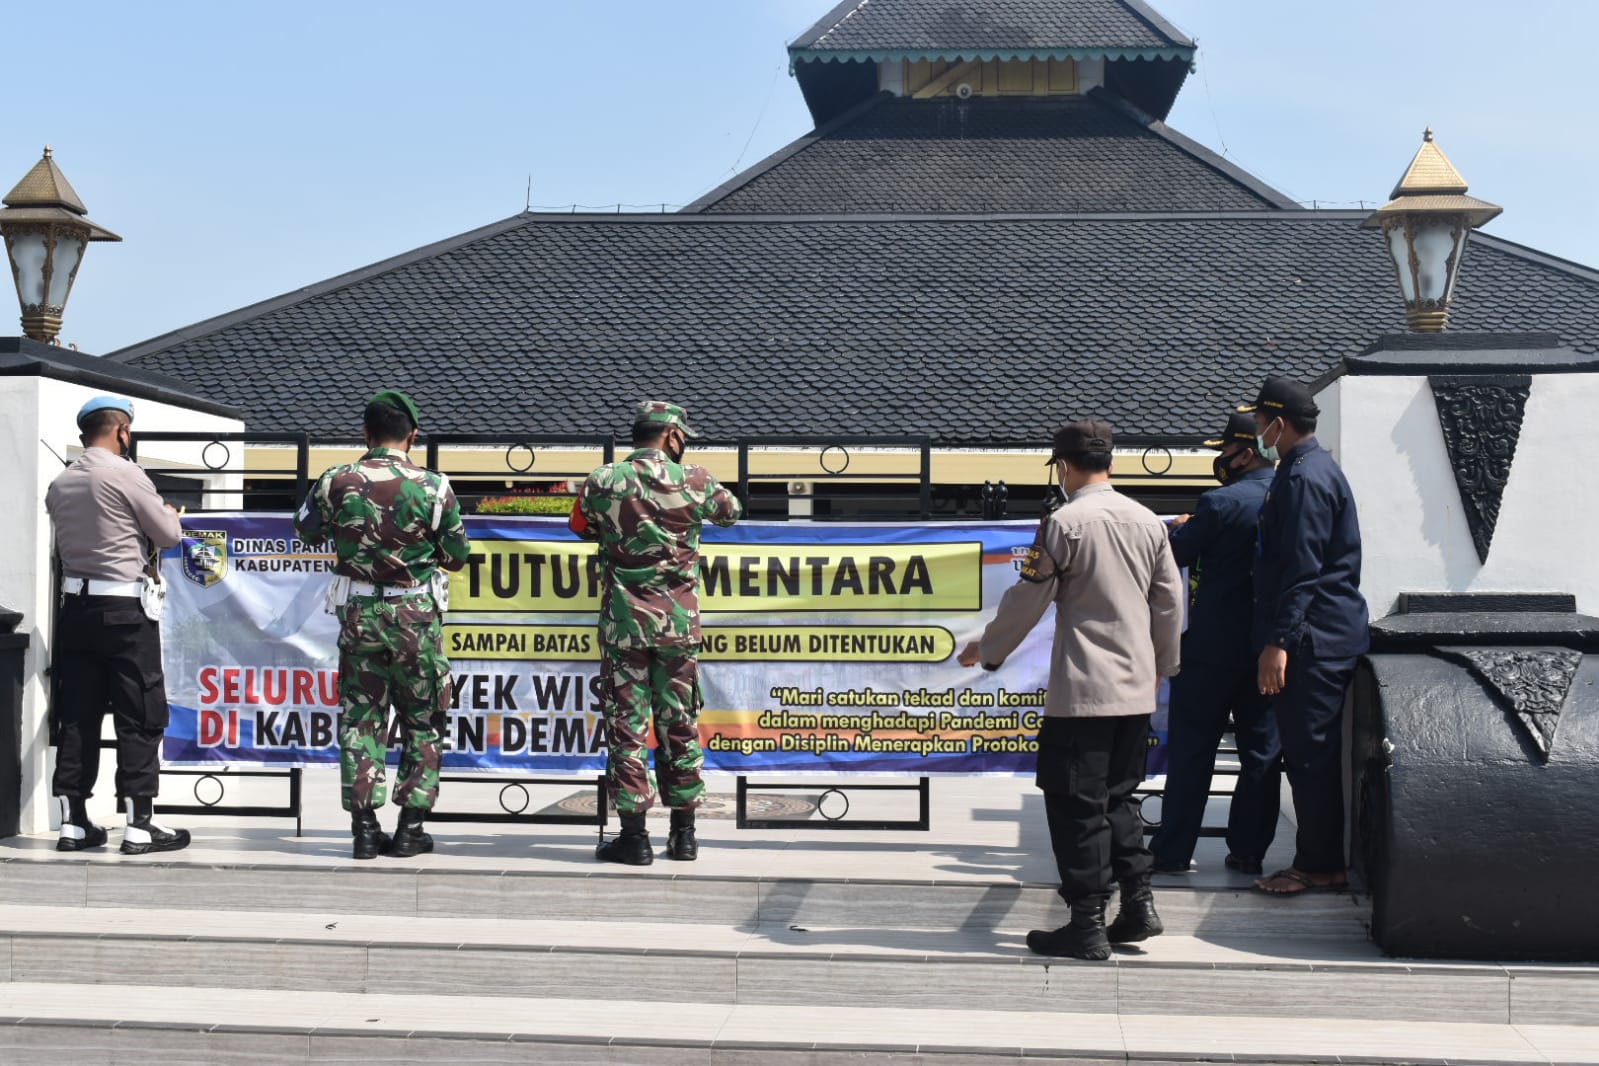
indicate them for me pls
(1530, 683)
(1481, 422)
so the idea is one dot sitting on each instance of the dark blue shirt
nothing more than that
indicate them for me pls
(1221, 539)
(1307, 578)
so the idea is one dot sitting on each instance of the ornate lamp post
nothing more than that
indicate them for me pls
(46, 230)
(1426, 224)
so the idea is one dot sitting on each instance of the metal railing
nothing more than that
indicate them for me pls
(210, 480)
(892, 477)
(524, 461)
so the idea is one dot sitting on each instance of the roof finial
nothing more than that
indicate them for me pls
(47, 151)
(1426, 135)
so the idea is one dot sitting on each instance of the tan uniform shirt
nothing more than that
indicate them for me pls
(106, 513)
(1106, 563)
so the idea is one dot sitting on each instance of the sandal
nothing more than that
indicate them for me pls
(1302, 879)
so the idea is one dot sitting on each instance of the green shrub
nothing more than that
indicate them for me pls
(554, 505)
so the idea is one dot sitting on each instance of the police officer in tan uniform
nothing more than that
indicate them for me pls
(108, 521)
(1105, 564)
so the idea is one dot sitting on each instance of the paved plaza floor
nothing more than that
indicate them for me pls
(982, 829)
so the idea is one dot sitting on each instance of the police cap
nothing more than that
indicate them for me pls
(1240, 428)
(1090, 435)
(105, 403)
(1283, 396)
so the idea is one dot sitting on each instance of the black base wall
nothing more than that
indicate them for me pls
(1472, 846)
(13, 647)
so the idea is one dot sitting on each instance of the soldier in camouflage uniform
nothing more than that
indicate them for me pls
(394, 526)
(646, 512)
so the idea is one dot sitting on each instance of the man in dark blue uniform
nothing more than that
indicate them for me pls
(1219, 674)
(1310, 625)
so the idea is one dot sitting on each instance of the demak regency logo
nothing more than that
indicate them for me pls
(205, 555)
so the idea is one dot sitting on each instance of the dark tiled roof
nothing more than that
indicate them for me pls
(1009, 25)
(971, 330)
(22, 357)
(1018, 155)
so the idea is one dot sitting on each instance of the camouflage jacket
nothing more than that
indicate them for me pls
(646, 511)
(392, 522)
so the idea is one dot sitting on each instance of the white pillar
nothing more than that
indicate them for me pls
(24, 573)
(1380, 420)
(38, 414)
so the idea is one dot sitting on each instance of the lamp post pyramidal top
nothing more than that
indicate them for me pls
(1426, 224)
(46, 229)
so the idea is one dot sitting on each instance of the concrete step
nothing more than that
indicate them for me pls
(47, 1024)
(666, 892)
(769, 963)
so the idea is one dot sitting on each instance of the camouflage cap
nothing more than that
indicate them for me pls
(667, 413)
(396, 398)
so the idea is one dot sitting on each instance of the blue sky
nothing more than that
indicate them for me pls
(245, 150)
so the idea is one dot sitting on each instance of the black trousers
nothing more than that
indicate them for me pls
(1202, 696)
(108, 657)
(1310, 720)
(1088, 769)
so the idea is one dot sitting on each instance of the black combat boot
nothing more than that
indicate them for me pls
(143, 834)
(1136, 919)
(1081, 938)
(680, 842)
(409, 837)
(370, 839)
(631, 846)
(77, 832)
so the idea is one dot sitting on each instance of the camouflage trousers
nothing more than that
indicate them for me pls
(391, 652)
(641, 685)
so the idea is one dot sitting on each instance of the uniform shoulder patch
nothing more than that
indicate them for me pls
(1038, 565)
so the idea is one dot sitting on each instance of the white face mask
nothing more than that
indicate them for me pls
(1267, 452)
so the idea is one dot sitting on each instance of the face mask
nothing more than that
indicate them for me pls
(1222, 467)
(1267, 453)
(674, 449)
(125, 445)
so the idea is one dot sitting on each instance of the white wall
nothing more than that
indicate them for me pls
(32, 408)
(23, 531)
(1413, 528)
(1330, 421)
